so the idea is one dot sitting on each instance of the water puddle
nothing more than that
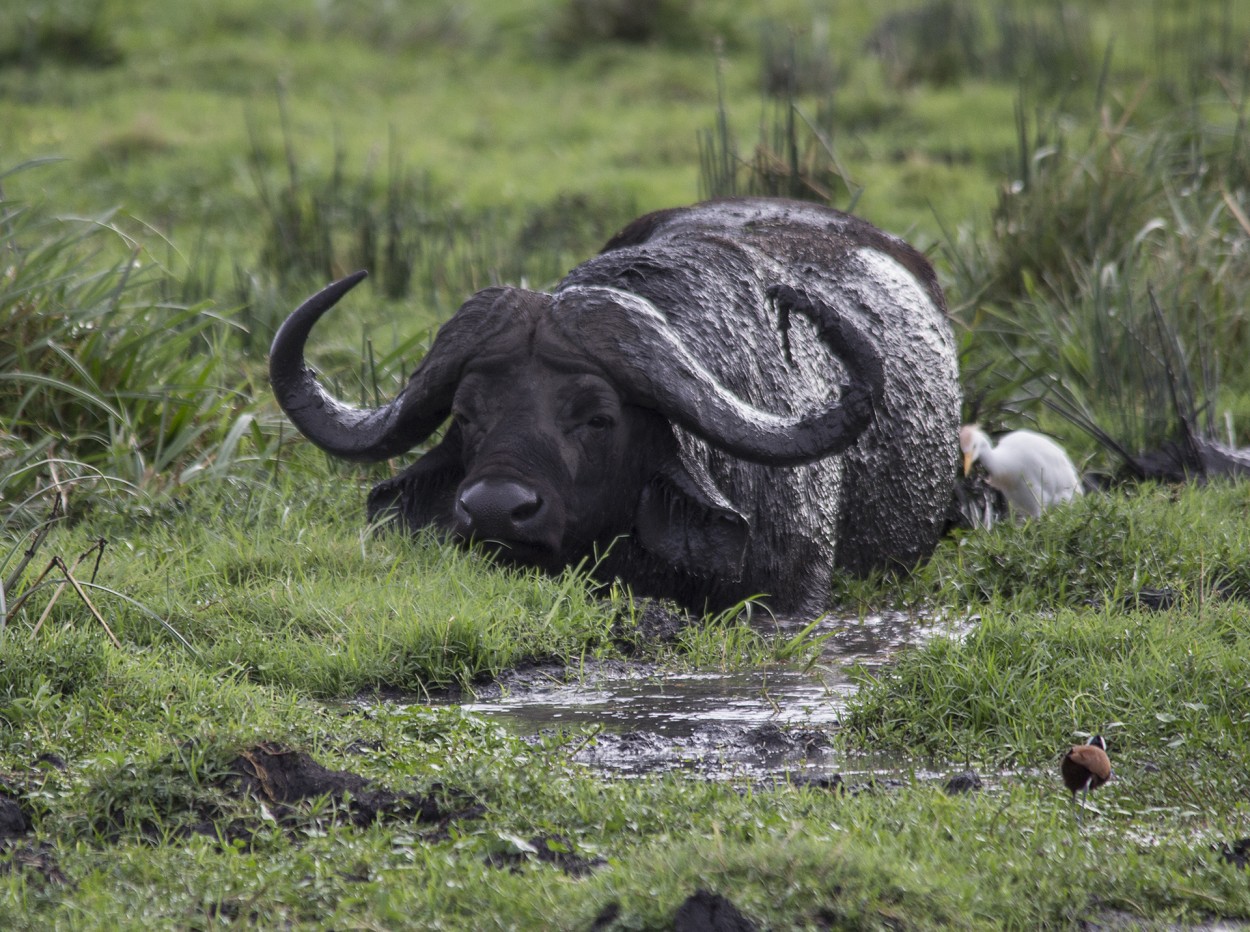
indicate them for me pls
(637, 719)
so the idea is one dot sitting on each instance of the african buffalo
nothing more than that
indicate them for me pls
(730, 400)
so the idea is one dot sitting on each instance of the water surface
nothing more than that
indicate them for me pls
(771, 721)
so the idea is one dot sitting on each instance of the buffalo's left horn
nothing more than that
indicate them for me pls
(646, 357)
(371, 434)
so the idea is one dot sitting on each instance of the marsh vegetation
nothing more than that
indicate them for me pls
(222, 698)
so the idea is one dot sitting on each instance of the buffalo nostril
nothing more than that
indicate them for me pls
(527, 509)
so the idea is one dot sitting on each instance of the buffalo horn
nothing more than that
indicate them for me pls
(648, 359)
(370, 434)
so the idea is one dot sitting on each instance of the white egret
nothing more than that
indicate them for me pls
(1031, 470)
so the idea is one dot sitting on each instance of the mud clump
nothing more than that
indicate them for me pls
(832, 782)
(285, 782)
(967, 782)
(771, 738)
(16, 852)
(1236, 854)
(652, 623)
(547, 849)
(35, 859)
(282, 778)
(710, 912)
(14, 822)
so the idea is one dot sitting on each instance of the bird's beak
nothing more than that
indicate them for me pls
(967, 463)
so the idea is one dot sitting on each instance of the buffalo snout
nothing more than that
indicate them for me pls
(506, 512)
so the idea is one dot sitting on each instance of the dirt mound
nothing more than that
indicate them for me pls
(1236, 854)
(710, 912)
(14, 822)
(283, 778)
(653, 622)
(547, 849)
(285, 781)
(16, 851)
(36, 859)
(967, 782)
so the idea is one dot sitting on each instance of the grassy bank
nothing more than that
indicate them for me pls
(248, 634)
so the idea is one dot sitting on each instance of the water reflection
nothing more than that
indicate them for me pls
(673, 704)
(752, 723)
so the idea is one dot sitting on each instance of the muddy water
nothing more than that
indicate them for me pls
(757, 723)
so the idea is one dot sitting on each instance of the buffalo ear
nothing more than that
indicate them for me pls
(422, 494)
(684, 520)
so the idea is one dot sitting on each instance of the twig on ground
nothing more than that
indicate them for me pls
(58, 563)
(36, 542)
(86, 601)
(30, 590)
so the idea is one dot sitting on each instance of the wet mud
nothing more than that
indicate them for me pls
(630, 719)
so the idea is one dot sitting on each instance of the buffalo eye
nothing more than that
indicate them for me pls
(595, 423)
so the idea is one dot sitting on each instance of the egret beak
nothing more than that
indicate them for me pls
(967, 463)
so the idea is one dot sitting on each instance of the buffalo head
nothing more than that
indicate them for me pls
(563, 409)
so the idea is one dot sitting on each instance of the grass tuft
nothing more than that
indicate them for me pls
(1090, 293)
(794, 158)
(93, 404)
(583, 23)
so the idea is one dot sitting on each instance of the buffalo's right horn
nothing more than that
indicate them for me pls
(647, 357)
(371, 434)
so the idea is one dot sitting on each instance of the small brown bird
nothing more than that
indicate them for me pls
(1086, 767)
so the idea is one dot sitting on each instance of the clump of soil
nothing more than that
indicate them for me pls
(547, 849)
(38, 859)
(16, 851)
(1236, 854)
(282, 777)
(831, 782)
(771, 738)
(703, 911)
(967, 782)
(653, 623)
(285, 780)
(14, 822)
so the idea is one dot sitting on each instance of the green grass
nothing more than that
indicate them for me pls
(1086, 213)
(283, 618)
(1065, 641)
